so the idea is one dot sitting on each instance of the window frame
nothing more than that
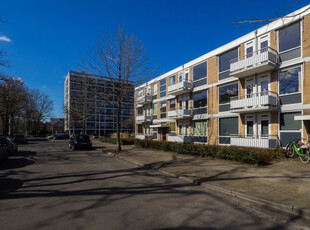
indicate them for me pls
(165, 90)
(278, 36)
(300, 77)
(206, 77)
(218, 59)
(218, 93)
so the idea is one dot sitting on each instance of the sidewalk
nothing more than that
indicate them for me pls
(284, 185)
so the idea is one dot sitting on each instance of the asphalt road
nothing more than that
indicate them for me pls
(48, 186)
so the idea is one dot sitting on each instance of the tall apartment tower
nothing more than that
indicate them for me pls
(85, 105)
(253, 91)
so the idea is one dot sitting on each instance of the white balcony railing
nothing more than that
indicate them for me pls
(182, 139)
(144, 99)
(180, 88)
(254, 60)
(265, 98)
(180, 113)
(143, 118)
(257, 141)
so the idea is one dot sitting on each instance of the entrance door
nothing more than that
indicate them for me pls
(250, 129)
(165, 131)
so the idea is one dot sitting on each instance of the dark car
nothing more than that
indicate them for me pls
(60, 136)
(10, 144)
(3, 152)
(20, 139)
(80, 141)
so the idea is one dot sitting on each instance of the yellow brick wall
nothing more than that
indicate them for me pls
(158, 110)
(306, 84)
(274, 123)
(241, 51)
(273, 81)
(212, 100)
(306, 37)
(213, 131)
(212, 70)
(242, 86)
(306, 125)
(273, 40)
(190, 73)
(242, 124)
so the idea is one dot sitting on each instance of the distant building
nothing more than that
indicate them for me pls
(57, 125)
(97, 115)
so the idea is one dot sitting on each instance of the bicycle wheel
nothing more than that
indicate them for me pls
(289, 150)
(304, 155)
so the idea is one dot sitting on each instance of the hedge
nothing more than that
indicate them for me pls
(125, 141)
(247, 155)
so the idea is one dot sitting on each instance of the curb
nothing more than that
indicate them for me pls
(293, 210)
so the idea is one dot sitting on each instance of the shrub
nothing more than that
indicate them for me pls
(247, 155)
(125, 141)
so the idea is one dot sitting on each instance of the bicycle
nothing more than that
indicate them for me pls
(298, 148)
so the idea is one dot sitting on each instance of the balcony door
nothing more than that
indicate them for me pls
(263, 122)
(250, 87)
(263, 43)
(250, 126)
(264, 85)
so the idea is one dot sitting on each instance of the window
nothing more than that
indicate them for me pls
(155, 109)
(200, 128)
(227, 91)
(140, 129)
(162, 88)
(224, 59)
(289, 80)
(140, 92)
(172, 127)
(172, 80)
(287, 121)
(228, 126)
(200, 99)
(172, 104)
(183, 76)
(154, 133)
(200, 71)
(154, 88)
(289, 37)
(139, 111)
(163, 109)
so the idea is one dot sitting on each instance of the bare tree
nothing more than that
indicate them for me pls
(281, 14)
(41, 108)
(122, 59)
(13, 96)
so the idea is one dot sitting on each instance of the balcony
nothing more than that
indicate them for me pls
(180, 113)
(180, 139)
(144, 99)
(257, 141)
(143, 118)
(180, 88)
(256, 102)
(259, 61)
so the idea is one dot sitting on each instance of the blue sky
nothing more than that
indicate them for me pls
(48, 38)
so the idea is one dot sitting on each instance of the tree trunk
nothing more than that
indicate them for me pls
(119, 148)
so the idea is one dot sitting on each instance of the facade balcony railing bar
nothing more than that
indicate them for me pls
(180, 88)
(255, 140)
(260, 99)
(259, 61)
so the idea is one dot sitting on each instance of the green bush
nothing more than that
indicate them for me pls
(247, 155)
(125, 141)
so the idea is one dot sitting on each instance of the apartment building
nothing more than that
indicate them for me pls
(89, 102)
(253, 91)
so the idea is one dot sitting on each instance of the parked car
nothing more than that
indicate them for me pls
(10, 144)
(20, 139)
(80, 141)
(3, 152)
(60, 136)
